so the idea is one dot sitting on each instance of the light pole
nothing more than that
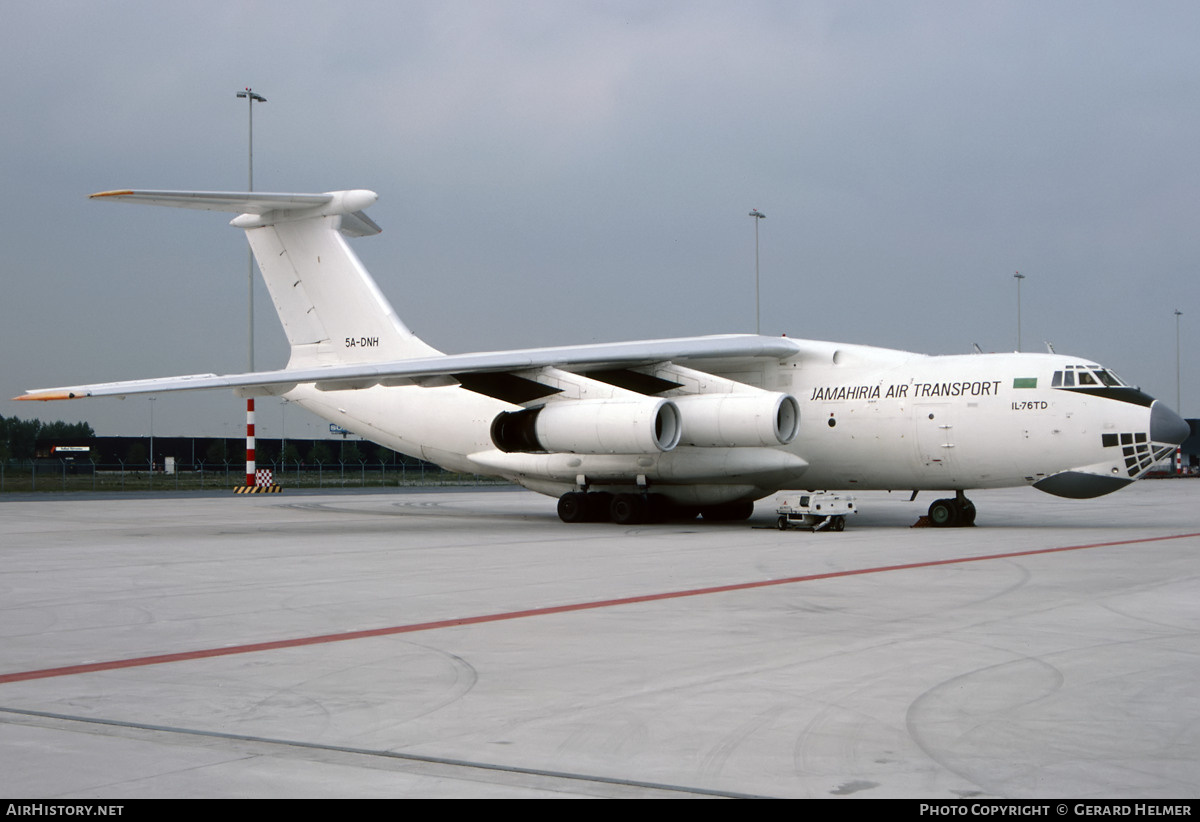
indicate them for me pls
(1178, 401)
(152, 399)
(282, 434)
(1019, 276)
(251, 98)
(757, 215)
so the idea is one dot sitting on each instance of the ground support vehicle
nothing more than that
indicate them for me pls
(814, 511)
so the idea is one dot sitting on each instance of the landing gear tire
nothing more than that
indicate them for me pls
(957, 512)
(599, 503)
(628, 509)
(573, 507)
(577, 506)
(943, 513)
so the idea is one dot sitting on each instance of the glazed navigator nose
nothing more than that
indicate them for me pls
(1166, 425)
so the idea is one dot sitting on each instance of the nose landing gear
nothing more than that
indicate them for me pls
(958, 512)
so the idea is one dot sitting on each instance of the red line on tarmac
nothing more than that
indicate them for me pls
(231, 650)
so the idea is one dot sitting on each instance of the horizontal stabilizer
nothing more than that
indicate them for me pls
(270, 207)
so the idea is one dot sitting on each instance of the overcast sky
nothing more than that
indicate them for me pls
(567, 172)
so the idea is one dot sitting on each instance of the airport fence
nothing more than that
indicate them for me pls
(64, 475)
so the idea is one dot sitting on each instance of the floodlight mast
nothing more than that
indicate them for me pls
(251, 98)
(1018, 276)
(1178, 382)
(757, 215)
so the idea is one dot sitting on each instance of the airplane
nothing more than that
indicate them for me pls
(640, 431)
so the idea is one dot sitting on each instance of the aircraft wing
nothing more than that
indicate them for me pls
(446, 369)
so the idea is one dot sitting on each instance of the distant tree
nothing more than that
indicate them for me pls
(138, 455)
(65, 431)
(19, 438)
(350, 453)
(215, 453)
(266, 452)
(319, 453)
(291, 454)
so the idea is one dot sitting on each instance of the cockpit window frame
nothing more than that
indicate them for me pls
(1086, 376)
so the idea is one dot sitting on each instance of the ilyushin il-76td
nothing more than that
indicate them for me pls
(698, 426)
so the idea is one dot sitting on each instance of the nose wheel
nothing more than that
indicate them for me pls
(956, 512)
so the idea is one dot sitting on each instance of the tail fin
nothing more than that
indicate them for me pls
(331, 309)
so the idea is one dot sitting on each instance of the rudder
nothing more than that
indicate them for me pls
(331, 309)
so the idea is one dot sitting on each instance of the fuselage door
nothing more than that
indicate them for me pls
(936, 440)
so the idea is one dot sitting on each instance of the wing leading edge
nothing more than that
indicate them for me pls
(442, 370)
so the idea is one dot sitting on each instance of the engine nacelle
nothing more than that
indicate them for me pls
(738, 420)
(590, 427)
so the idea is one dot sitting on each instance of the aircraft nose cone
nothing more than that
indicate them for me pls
(1166, 425)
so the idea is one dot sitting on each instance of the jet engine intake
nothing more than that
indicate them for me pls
(590, 427)
(738, 420)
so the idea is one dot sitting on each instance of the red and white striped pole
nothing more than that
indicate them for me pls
(250, 441)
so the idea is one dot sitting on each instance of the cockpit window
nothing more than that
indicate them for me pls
(1090, 375)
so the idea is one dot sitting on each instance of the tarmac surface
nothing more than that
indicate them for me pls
(466, 643)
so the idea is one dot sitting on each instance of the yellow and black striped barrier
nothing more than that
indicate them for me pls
(258, 489)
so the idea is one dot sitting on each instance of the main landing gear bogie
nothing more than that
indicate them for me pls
(639, 508)
(952, 512)
(580, 507)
